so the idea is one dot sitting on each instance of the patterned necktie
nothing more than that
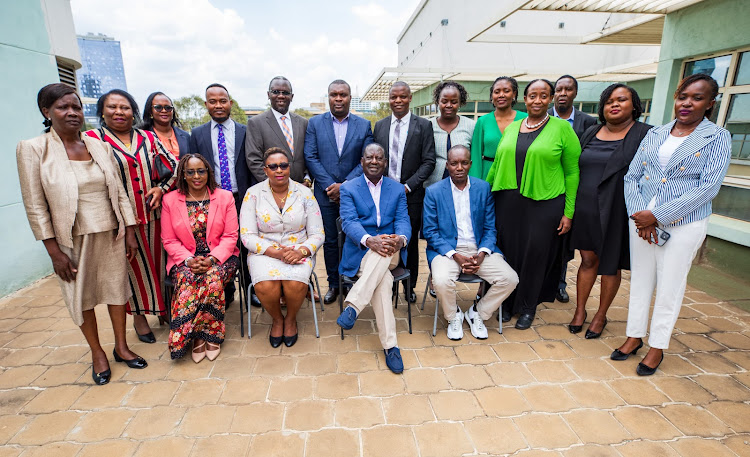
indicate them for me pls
(287, 134)
(394, 152)
(226, 179)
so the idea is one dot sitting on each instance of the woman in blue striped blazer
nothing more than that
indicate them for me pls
(674, 176)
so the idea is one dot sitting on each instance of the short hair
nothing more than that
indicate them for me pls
(148, 115)
(280, 78)
(217, 85)
(551, 87)
(513, 85)
(122, 93)
(456, 148)
(372, 146)
(273, 151)
(575, 81)
(182, 185)
(51, 93)
(712, 85)
(399, 84)
(607, 93)
(463, 95)
(337, 82)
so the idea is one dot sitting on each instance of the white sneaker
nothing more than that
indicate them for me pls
(455, 327)
(478, 330)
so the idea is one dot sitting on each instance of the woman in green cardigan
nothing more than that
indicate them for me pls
(535, 180)
(490, 127)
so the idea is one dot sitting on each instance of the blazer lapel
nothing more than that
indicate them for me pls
(661, 136)
(239, 139)
(476, 213)
(328, 128)
(447, 192)
(351, 126)
(274, 126)
(267, 194)
(205, 140)
(364, 192)
(701, 136)
(413, 127)
(293, 195)
(298, 133)
(183, 211)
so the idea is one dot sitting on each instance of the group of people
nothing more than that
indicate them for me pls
(507, 198)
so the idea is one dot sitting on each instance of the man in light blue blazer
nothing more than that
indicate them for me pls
(459, 226)
(334, 142)
(375, 219)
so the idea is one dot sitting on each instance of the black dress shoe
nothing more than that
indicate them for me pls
(645, 370)
(290, 340)
(562, 296)
(275, 341)
(101, 378)
(592, 335)
(138, 362)
(578, 328)
(411, 297)
(147, 338)
(619, 355)
(524, 321)
(506, 315)
(433, 294)
(331, 295)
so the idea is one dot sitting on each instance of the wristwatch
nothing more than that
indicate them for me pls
(305, 251)
(186, 260)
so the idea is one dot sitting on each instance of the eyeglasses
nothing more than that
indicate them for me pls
(200, 171)
(274, 166)
(166, 108)
(280, 92)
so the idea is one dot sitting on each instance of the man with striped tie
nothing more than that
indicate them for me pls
(280, 128)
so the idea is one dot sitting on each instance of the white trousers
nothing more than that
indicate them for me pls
(666, 268)
(375, 286)
(494, 269)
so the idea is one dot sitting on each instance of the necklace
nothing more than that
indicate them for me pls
(532, 127)
(282, 200)
(201, 203)
(682, 132)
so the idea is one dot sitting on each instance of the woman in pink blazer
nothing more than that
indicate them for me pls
(199, 229)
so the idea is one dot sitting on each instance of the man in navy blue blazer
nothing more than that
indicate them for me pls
(459, 226)
(375, 219)
(334, 143)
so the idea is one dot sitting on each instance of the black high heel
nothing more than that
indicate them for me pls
(290, 340)
(101, 378)
(592, 335)
(275, 340)
(578, 328)
(645, 370)
(147, 338)
(619, 355)
(138, 362)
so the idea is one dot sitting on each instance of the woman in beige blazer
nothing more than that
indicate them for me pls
(75, 203)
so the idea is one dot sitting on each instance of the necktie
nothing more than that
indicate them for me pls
(287, 134)
(226, 179)
(394, 152)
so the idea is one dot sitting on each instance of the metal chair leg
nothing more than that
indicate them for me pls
(249, 313)
(317, 286)
(408, 303)
(434, 323)
(426, 288)
(341, 301)
(315, 314)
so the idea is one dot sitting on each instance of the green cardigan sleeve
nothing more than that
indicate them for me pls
(477, 143)
(571, 152)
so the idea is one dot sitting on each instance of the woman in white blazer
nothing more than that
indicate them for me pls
(674, 176)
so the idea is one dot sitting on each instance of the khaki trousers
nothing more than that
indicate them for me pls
(494, 269)
(375, 286)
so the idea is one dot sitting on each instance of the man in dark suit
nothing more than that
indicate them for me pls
(334, 143)
(410, 158)
(566, 90)
(277, 127)
(222, 142)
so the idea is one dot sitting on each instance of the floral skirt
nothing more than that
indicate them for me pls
(198, 306)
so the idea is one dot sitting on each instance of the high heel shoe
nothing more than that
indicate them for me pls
(645, 370)
(290, 340)
(147, 338)
(619, 355)
(101, 378)
(275, 341)
(200, 354)
(593, 335)
(138, 362)
(212, 353)
(578, 328)
(163, 320)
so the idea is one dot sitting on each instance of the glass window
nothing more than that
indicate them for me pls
(743, 69)
(589, 108)
(738, 124)
(467, 108)
(485, 107)
(716, 67)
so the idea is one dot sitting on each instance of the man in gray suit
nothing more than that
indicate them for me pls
(566, 90)
(277, 127)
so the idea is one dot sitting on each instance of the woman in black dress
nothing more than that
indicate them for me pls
(601, 223)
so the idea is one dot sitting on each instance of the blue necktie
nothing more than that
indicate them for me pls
(226, 179)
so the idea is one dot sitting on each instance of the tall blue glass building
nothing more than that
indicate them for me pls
(102, 70)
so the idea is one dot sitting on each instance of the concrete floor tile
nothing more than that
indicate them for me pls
(592, 369)
(591, 394)
(12, 401)
(21, 357)
(691, 326)
(55, 399)
(199, 392)
(723, 387)
(222, 445)
(388, 441)
(712, 363)
(308, 415)
(291, 389)
(381, 383)
(231, 368)
(357, 362)
(557, 331)
(11, 425)
(258, 418)
(154, 422)
(546, 431)
(277, 444)
(332, 442)
(688, 447)
(502, 401)
(335, 386)
(468, 377)
(442, 440)
(109, 447)
(274, 366)
(740, 444)
(185, 369)
(548, 398)
(476, 354)
(425, 380)
(515, 352)
(596, 427)
(722, 324)
(315, 364)
(151, 394)
(30, 340)
(591, 450)
(699, 342)
(416, 340)
(739, 358)
(455, 405)
(680, 389)
(551, 371)
(206, 420)
(408, 409)
(100, 397)
(244, 391)
(47, 428)
(20, 376)
(552, 350)
(638, 391)
(495, 436)
(437, 357)
(675, 365)
(735, 414)
(646, 448)
(646, 423)
(694, 420)
(358, 412)
(53, 450)
(732, 340)
(101, 425)
(335, 345)
(165, 446)
(509, 374)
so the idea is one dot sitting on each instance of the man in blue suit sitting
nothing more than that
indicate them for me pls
(459, 226)
(375, 219)
(334, 143)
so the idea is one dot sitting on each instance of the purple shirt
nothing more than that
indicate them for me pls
(339, 131)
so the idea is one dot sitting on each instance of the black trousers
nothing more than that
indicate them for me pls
(412, 250)
(230, 288)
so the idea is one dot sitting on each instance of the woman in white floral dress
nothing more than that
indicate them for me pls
(282, 228)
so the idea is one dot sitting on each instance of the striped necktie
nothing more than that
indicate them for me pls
(287, 134)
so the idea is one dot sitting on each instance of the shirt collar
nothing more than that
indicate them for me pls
(404, 119)
(278, 114)
(370, 184)
(456, 189)
(572, 114)
(227, 124)
(340, 122)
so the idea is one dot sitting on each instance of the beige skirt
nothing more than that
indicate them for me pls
(102, 275)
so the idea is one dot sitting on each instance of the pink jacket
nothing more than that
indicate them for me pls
(222, 229)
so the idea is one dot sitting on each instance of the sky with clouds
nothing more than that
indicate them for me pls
(181, 46)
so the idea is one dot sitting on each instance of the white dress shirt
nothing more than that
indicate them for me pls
(404, 131)
(462, 207)
(570, 119)
(228, 127)
(288, 122)
(375, 194)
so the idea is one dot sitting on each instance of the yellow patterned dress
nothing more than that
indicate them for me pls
(263, 225)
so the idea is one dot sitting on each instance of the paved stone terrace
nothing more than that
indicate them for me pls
(539, 392)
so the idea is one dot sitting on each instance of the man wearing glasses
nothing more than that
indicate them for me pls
(280, 128)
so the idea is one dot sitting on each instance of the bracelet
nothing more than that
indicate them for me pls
(186, 260)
